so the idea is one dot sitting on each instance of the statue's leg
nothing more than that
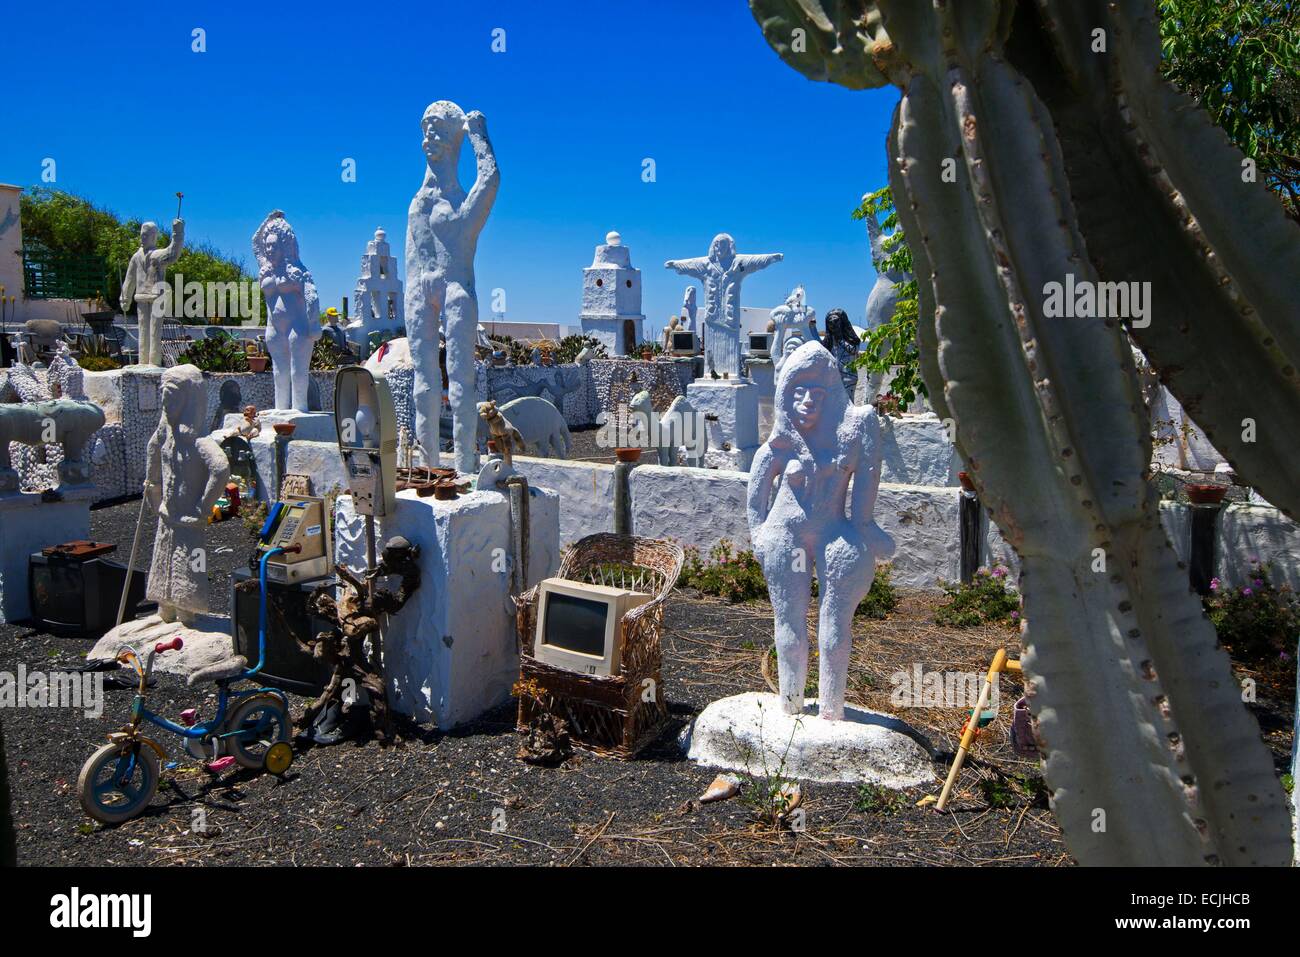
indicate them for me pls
(846, 570)
(144, 332)
(462, 332)
(300, 349)
(789, 591)
(424, 312)
(277, 347)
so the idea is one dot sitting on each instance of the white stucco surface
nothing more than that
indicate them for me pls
(915, 451)
(750, 733)
(451, 653)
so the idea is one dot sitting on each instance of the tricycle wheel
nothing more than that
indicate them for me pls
(118, 781)
(257, 723)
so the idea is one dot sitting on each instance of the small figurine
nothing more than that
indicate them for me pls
(251, 427)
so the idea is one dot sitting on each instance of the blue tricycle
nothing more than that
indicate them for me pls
(251, 728)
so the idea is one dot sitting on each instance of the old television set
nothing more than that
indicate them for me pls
(760, 344)
(578, 625)
(74, 589)
(684, 343)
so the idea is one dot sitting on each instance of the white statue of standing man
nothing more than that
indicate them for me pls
(442, 232)
(144, 273)
(292, 309)
(185, 474)
(721, 272)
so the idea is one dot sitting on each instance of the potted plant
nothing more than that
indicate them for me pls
(628, 454)
(257, 360)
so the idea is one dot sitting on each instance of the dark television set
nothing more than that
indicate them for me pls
(75, 591)
(288, 667)
(683, 343)
(760, 344)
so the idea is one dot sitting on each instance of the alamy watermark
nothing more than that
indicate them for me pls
(1085, 299)
(179, 299)
(83, 691)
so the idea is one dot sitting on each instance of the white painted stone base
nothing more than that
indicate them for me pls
(735, 404)
(750, 733)
(28, 525)
(207, 643)
(451, 654)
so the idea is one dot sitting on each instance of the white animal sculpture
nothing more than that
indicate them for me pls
(681, 426)
(539, 425)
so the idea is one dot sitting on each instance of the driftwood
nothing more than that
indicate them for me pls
(356, 615)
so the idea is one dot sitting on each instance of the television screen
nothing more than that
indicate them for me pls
(56, 589)
(683, 341)
(576, 624)
(758, 342)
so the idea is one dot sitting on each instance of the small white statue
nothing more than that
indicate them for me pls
(443, 227)
(689, 310)
(538, 423)
(680, 427)
(790, 326)
(293, 310)
(798, 492)
(66, 379)
(143, 274)
(668, 333)
(185, 475)
(722, 271)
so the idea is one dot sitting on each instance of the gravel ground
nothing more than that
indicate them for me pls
(463, 797)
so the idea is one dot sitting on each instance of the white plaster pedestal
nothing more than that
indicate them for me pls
(28, 524)
(316, 428)
(205, 643)
(735, 404)
(451, 654)
(762, 373)
(750, 733)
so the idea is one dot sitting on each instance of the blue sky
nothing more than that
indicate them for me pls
(583, 93)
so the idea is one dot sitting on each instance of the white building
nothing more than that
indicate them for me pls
(611, 299)
(377, 300)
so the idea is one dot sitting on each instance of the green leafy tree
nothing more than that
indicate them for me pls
(1240, 59)
(892, 345)
(70, 225)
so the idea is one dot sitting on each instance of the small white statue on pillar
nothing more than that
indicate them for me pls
(722, 271)
(798, 492)
(293, 310)
(144, 273)
(185, 474)
(443, 226)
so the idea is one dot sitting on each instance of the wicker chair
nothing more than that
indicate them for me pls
(606, 714)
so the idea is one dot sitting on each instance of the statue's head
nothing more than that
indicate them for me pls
(443, 125)
(723, 248)
(184, 399)
(148, 235)
(810, 399)
(279, 242)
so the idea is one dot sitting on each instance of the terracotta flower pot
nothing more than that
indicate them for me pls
(444, 491)
(1206, 494)
(284, 428)
(628, 454)
(258, 363)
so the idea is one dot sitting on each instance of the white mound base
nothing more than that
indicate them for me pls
(866, 747)
(205, 644)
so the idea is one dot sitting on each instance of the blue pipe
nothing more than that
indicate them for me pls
(261, 616)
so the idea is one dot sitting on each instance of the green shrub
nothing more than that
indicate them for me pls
(570, 346)
(98, 363)
(737, 575)
(881, 800)
(223, 353)
(326, 355)
(985, 600)
(1258, 620)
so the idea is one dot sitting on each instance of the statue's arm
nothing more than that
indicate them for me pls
(218, 474)
(484, 193)
(759, 496)
(127, 296)
(153, 469)
(866, 477)
(759, 261)
(177, 246)
(696, 268)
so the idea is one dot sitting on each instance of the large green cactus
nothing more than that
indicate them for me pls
(1018, 156)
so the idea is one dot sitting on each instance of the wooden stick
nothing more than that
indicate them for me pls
(972, 727)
